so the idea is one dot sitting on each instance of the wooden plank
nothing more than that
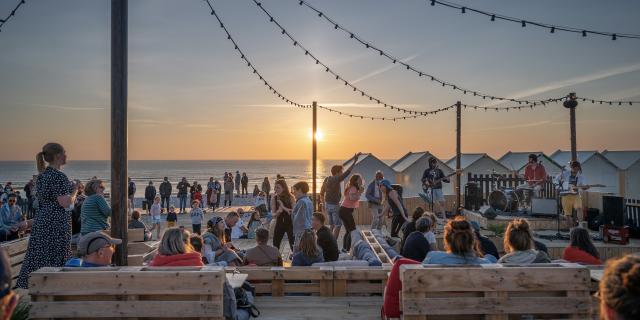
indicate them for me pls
(482, 305)
(135, 235)
(15, 246)
(103, 309)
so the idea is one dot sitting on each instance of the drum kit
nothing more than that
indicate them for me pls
(518, 200)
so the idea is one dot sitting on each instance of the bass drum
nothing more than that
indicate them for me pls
(503, 200)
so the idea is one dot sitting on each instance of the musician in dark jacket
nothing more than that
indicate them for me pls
(432, 180)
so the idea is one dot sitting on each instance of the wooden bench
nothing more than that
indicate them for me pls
(118, 292)
(16, 250)
(495, 291)
(280, 281)
(360, 281)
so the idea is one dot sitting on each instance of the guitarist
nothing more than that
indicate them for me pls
(571, 182)
(432, 179)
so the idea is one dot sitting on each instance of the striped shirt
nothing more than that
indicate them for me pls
(94, 213)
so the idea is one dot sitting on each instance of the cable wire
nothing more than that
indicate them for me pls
(11, 14)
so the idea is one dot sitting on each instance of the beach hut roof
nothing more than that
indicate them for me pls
(520, 159)
(409, 159)
(361, 158)
(564, 157)
(623, 159)
(467, 159)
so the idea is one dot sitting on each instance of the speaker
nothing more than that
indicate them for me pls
(613, 208)
(594, 219)
(544, 207)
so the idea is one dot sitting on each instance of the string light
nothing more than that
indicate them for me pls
(518, 107)
(609, 102)
(11, 14)
(350, 115)
(524, 23)
(393, 59)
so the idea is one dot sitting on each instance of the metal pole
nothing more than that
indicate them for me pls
(458, 154)
(314, 153)
(119, 182)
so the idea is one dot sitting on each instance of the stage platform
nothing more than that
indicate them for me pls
(536, 223)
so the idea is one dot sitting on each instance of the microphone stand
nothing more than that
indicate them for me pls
(558, 235)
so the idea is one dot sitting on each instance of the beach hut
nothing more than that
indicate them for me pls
(596, 168)
(477, 163)
(517, 161)
(409, 171)
(629, 164)
(367, 166)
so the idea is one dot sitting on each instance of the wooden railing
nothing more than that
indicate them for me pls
(486, 183)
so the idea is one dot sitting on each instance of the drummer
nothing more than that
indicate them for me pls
(534, 175)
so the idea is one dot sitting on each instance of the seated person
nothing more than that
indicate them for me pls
(12, 219)
(8, 298)
(486, 245)
(254, 224)
(233, 226)
(263, 255)
(518, 243)
(95, 249)
(461, 246)
(216, 246)
(261, 204)
(308, 251)
(135, 223)
(391, 304)
(417, 246)
(410, 227)
(581, 248)
(326, 241)
(620, 289)
(176, 251)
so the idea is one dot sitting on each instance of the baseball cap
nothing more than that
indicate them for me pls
(475, 226)
(94, 241)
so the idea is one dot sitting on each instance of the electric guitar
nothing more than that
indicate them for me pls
(574, 189)
(427, 184)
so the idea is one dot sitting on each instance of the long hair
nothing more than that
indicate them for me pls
(48, 154)
(580, 238)
(308, 245)
(175, 241)
(212, 226)
(417, 213)
(286, 195)
(518, 236)
(459, 238)
(353, 182)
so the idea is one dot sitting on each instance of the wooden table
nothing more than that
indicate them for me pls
(227, 210)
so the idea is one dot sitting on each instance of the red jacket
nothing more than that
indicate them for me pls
(577, 255)
(391, 304)
(190, 259)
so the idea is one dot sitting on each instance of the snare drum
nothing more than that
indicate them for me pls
(504, 200)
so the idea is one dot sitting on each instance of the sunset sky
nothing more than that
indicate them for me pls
(191, 97)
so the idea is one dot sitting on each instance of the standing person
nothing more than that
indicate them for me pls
(256, 191)
(172, 217)
(210, 187)
(50, 241)
(244, 181)
(302, 211)
(571, 185)
(282, 204)
(581, 249)
(331, 193)
(374, 198)
(76, 214)
(28, 192)
(165, 193)
(619, 294)
(393, 204)
(352, 192)
(149, 195)
(266, 188)
(326, 241)
(183, 187)
(195, 188)
(237, 181)
(131, 194)
(95, 209)
(432, 180)
(196, 216)
(228, 190)
(155, 211)
(217, 190)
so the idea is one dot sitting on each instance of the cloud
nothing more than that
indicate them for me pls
(60, 107)
(522, 125)
(385, 69)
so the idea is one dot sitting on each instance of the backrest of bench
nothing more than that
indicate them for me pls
(117, 292)
(279, 281)
(359, 281)
(495, 291)
(16, 250)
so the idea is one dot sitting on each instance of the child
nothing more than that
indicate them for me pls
(198, 196)
(253, 225)
(172, 217)
(196, 216)
(155, 215)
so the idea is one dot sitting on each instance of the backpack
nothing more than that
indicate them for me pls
(244, 301)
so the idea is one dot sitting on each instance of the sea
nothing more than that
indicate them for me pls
(143, 171)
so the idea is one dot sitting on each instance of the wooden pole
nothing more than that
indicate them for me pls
(458, 154)
(119, 182)
(314, 153)
(571, 104)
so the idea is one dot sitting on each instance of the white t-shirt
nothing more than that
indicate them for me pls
(236, 232)
(431, 238)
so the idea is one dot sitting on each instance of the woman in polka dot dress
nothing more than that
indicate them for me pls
(50, 240)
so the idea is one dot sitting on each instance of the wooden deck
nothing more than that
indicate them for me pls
(312, 308)
(536, 223)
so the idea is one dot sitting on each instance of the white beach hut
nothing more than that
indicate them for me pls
(629, 164)
(476, 163)
(409, 171)
(517, 161)
(367, 166)
(596, 168)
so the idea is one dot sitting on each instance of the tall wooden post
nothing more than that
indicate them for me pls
(119, 182)
(571, 104)
(314, 153)
(458, 155)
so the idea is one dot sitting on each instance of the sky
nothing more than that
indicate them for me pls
(191, 97)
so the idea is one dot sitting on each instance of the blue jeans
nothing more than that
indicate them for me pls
(332, 212)
(183, 202)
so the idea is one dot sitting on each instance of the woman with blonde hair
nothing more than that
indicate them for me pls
(308, 251)
(95, 209)
(461, 246)
(175, 250)
(50, 240)
(519, 245)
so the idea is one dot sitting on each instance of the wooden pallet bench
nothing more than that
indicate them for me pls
(280, 281)
(318, 308)
(360, 281)
(495, 291)
(16, 250)
(134, 292)
(376, 247)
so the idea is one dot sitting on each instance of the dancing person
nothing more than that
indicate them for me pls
(393, 204)
(302, 211)
(432, 179)
(196, 216)
(330, 192)
(183, 187)
(581, 249)
(410, 227)
(352, 192)
(95, 210)
(135, 223)
(518, 243)
(374, 199)
(263, 255)
(50, 240)
(165, 193)
(175, 250)
(573, 183)
(619, 291)
(486, 245)
(417, 246)
(156, 218)
(217, 246)
(95, 249)
(282, 205)
(460, 245)
(244, 181)
(326, 241)
(307, 252)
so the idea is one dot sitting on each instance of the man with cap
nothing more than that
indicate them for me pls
(95, 249)
(487, 246)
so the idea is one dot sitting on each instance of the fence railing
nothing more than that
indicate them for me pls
(633, 212)
(488, 183)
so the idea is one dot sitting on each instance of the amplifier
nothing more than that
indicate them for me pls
(544, 207)
(613, 234)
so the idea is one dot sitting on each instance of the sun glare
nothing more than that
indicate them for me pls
(319, 135)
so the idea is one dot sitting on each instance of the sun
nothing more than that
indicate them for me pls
(319, 135)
